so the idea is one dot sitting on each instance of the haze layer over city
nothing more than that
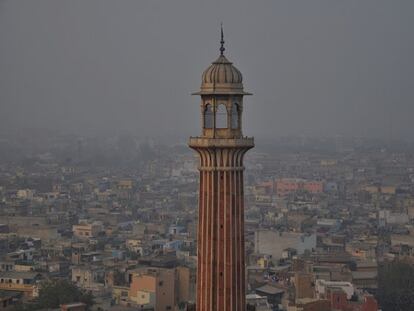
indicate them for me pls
(208, 156)
(316, 68)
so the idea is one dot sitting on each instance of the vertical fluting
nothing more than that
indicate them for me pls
(220, 274)
(200, 234)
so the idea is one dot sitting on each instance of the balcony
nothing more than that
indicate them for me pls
(201, 142)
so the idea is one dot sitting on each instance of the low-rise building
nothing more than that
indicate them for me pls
(153, 287)
(24, 282)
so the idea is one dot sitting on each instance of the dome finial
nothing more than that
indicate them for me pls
(222, 49)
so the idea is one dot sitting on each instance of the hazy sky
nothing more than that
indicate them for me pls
(328, 68)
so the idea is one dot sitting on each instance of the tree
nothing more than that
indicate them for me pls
(119, 278)
(56, 292)
(396, 286)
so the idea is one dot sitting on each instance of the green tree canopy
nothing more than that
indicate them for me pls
(56, 292)
(396, 287)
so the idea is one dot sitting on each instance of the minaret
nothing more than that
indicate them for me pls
(221, 147)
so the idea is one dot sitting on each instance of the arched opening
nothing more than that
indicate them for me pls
(235, 116)
(221, 117)
(208, 117)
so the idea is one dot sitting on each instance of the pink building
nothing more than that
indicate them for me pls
(285, 186)
(340, 302)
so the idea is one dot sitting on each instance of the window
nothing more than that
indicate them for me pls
(208, 117)
(221, 117)
(235, 116)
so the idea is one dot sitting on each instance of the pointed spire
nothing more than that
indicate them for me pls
(222, 49)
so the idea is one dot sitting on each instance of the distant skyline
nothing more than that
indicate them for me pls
(316, 68)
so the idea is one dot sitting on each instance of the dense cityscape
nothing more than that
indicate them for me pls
(135, 175)
(325, 219)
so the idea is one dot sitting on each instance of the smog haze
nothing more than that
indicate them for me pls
(316, 68)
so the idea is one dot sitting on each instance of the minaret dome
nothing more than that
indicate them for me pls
(222, 77)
